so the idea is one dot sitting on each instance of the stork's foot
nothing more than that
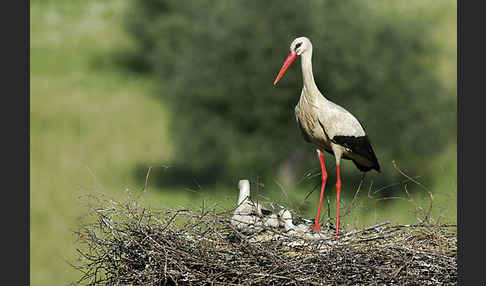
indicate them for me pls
(338, 236)
(316, 227)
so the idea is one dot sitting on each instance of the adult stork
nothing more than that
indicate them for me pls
(329, 126)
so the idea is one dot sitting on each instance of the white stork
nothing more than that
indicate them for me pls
(329, 126)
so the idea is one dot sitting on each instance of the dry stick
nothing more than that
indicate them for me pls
(410, 200)
(285, 193)
(418, 183)
(328, 208)
(145, 186)
(172, 219)
(94, 177)
(366, 229)
(307, 175)
(309, 193)
(349, 208)
(395, 272)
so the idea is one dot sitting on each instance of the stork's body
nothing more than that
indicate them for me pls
(333, 129)
(329, 126)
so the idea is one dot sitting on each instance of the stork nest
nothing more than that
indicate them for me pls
(125, 243)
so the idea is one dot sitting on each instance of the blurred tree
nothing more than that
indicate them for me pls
(216, 62)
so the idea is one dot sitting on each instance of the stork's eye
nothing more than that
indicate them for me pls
(298, 45)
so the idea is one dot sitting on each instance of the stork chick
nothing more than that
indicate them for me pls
(250, 216)
(286, 221)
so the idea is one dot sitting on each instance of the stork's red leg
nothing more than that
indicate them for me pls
(338, 190)
(323, 185)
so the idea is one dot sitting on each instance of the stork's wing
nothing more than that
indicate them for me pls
(266, 212)
(344, 129)
(337, 121)
(302, 131)
(360, 146)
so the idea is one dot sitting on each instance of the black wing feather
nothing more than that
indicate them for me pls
(361, 146)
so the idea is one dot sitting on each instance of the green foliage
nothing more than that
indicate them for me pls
(217, 61)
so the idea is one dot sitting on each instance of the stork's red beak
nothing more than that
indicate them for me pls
(288, 61)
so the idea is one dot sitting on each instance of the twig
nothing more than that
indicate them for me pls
(418, 183)
(349, 208)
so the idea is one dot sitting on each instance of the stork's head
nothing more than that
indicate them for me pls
(298, 47)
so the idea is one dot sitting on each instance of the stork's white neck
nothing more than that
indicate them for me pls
(244, 186)
(307, 75)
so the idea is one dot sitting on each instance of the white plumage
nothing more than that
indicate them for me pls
(249, 216)
(327, 125)
(286, 221)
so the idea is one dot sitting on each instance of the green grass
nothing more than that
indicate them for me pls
(92, 123)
